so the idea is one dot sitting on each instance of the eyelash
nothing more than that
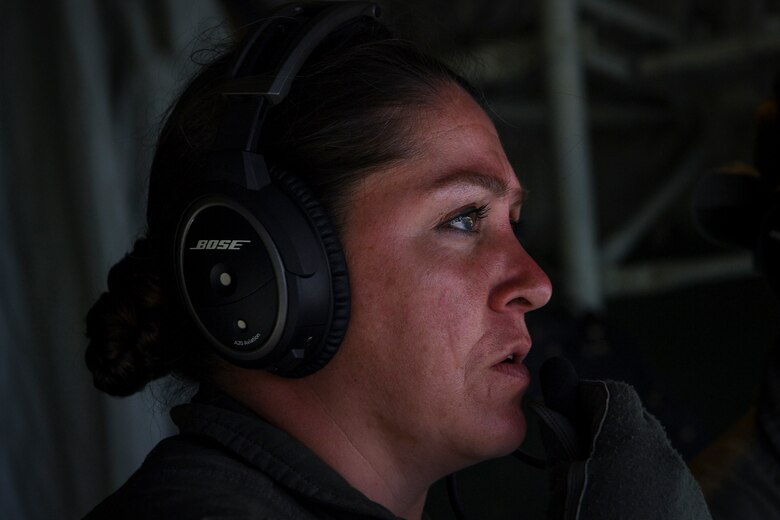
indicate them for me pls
(476, 213)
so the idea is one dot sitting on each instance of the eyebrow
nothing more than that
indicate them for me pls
(498, 187)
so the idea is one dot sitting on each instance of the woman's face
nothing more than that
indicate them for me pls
(440, 287)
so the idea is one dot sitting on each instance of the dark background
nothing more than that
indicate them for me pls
(670, 92)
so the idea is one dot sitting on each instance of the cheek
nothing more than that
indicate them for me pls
(429, 305)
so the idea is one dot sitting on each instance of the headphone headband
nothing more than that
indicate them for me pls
(309, 26)
(298, 28)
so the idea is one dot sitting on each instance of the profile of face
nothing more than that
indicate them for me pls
(432, 358)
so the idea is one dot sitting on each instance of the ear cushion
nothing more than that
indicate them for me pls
(303, 196)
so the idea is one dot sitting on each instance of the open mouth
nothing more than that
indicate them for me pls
(513, 366)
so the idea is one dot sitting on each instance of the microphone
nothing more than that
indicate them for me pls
(560, 387)
(561, 412)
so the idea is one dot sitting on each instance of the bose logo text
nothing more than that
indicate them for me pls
(220, 244)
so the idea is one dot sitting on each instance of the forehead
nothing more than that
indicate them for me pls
(457, 146)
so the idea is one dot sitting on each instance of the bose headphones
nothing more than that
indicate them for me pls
(259, 268)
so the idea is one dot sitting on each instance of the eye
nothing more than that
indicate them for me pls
(468, 220)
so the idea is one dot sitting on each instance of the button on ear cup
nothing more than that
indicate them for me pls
(303, 196)
(222, 279)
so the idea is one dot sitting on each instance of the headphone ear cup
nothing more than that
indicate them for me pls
(302, 195)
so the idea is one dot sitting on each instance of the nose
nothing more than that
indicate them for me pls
(520, 283)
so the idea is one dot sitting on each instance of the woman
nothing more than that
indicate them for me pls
(426, 378)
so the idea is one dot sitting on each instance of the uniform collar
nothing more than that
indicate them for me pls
(272, 451)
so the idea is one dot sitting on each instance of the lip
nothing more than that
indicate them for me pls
(514, 368)
(518, 353)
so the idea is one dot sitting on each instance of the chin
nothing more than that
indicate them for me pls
(505, 437)
(513, 440)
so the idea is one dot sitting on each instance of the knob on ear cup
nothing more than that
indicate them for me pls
(331, 245)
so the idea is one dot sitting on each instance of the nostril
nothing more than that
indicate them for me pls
(521, 301)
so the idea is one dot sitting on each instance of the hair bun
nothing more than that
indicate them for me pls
(126, 350)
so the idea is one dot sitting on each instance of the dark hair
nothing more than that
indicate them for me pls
(350, 112)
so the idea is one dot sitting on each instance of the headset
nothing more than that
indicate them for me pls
(258, 265)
